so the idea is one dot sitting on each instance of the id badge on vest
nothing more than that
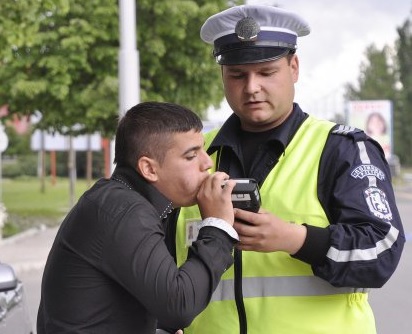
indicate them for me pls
(192, 230)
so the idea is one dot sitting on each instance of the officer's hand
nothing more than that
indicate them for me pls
(215, 199)
(264, 232)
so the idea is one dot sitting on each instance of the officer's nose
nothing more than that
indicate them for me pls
(252, 84)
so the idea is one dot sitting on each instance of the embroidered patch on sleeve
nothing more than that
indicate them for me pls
(367, 170)
(377, 203)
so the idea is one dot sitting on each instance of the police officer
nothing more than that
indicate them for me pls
(329, 229)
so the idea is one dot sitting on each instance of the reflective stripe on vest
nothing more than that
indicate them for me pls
(280, 287)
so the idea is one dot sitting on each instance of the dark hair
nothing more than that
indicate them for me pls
(146, 130)
(290, 55)
(378, 116)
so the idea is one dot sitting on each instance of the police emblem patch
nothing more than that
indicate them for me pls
(367, 170)
(377, 203)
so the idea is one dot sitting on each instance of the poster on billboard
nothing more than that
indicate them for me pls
(59, 142)
(375, 118)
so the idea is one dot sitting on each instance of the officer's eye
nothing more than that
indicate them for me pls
(268, 74)
(237, 76)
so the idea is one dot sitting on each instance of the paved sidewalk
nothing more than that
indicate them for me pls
(27, 250)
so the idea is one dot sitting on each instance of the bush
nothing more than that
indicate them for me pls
(24, 165)
(10, 229)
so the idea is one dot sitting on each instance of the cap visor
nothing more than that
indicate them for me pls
(251, 55)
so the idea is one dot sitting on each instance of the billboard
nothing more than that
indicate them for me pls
(375, 118)
(59, 142)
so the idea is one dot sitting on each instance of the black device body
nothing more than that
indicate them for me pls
(245, 195)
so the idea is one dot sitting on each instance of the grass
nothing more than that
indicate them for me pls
(28, 206)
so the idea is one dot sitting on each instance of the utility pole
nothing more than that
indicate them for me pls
(129, 76)
(129, 71)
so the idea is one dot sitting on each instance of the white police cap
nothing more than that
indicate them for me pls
(253, 34)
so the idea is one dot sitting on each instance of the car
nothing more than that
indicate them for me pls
(14, 313)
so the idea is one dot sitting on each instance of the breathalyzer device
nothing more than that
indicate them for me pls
(245, 195)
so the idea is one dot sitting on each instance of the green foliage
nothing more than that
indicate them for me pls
(403, 138)
(69, 47)
(387, 74)
(22, 165)
(177, 66)
(60, 57)
(18, 143)
(377, 78)
(10, 228)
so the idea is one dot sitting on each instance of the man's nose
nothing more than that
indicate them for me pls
(207, 161)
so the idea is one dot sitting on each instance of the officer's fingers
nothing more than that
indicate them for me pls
(246, 245)
(245, 231)
(243, 214)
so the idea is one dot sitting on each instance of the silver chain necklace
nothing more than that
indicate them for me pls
(165, 212)
(122, 182)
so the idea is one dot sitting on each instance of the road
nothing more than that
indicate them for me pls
(391, 304)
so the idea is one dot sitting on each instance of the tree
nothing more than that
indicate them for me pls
(387, 76)
(377, 78)
(403, 138)
(175, 64)
(56, 52)
(60, 57)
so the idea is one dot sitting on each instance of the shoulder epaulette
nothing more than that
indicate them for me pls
(345, 129)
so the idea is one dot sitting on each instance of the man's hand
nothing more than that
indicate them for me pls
(215, 197)
(264, 232)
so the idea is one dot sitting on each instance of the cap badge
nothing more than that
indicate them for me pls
(247, 29)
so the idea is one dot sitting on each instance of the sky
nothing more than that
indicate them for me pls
(331, 55)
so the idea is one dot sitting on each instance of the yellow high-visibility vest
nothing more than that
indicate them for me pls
(281, 295)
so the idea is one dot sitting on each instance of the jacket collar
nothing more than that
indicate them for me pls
(229, 133)
(134, 181)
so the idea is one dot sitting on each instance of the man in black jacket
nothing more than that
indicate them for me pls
(109, 269)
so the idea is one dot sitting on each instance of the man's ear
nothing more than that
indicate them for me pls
(147, 168)
(295, 68)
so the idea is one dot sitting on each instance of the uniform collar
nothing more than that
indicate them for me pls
(282, 134)
(134, 181)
